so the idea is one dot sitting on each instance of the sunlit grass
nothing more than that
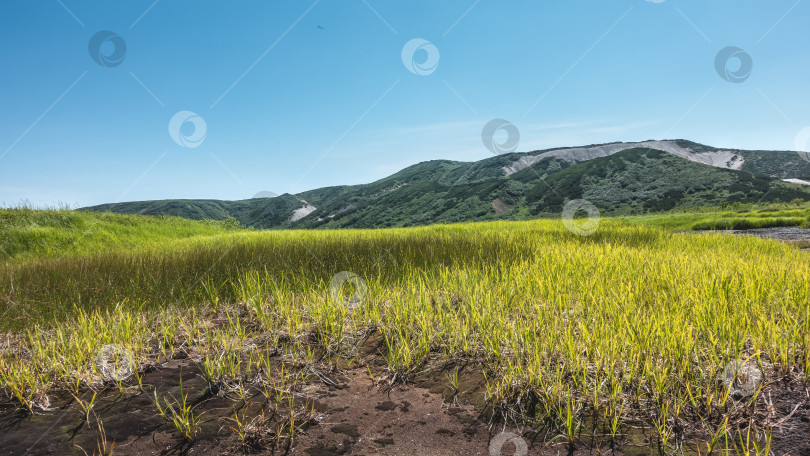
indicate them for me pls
(632, 326)
(29, 233)
(725, 219)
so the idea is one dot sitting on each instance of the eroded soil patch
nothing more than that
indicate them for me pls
(356, 416)
(351, 415)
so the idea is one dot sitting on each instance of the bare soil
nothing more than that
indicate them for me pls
(351, 409)
(500, 206)
(353, 415)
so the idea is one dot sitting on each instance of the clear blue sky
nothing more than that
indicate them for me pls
(289, 106)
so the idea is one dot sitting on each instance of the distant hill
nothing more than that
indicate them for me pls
(618, 178)
(256, 212)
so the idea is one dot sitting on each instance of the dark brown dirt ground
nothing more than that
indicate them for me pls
(355, 417)
(348, 414)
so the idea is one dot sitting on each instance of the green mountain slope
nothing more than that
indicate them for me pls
(645, 180)
(256, 212)
(617, 178)
(774, 163)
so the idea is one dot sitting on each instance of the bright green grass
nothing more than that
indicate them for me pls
(723, 219)
(29, 233)
(57, 261)
(633, 324)
(162, 270)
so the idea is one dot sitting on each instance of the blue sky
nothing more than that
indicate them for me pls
(288, 106)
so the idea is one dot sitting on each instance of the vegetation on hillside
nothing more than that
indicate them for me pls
(257, 212)
(635, 181)
(643, 180)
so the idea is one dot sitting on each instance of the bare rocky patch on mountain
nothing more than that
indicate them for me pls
(718, 159)
(617, 178)
(500, 206)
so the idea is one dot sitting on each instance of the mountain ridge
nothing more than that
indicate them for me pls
(618, 178)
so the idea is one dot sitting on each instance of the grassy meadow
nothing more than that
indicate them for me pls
(745, 218)
(31, 234)
(631, 327)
